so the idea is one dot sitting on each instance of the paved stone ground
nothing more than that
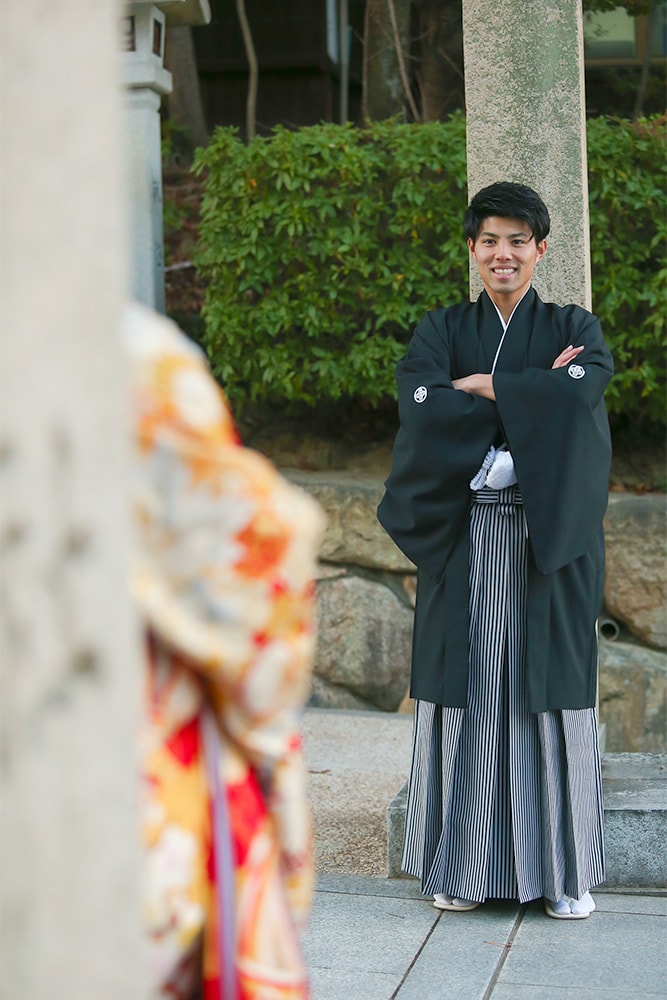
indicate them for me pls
(379, 939)
(357, 763)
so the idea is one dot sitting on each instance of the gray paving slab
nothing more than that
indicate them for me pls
(365, 885)
(652, 904)
(359, 945)
(612, 954)
(532, 992)
(350, 984)
(461, 956)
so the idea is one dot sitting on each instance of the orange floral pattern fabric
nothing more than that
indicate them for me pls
(225, 557)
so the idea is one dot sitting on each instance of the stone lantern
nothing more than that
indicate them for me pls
(147, 81)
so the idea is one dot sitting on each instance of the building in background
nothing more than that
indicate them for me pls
(616, 48)
(298, 47)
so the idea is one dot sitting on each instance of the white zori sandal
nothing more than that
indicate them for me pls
(570, 909)
(442, 902)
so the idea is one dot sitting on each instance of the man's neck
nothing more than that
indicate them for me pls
(506, 304)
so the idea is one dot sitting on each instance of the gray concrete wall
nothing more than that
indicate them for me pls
(69, 664)
(525, 104)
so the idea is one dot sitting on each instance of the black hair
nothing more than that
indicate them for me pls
(508, 201)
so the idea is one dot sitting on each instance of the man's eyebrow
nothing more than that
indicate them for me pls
(511, 236)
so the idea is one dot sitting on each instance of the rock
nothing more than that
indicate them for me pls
(326, 695)
(353, 534)
(636, 576)
(410, 588)
(633, 697)
(364, 641)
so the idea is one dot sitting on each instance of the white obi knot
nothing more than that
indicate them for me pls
(496, 471)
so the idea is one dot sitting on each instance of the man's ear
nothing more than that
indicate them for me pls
(541, 250)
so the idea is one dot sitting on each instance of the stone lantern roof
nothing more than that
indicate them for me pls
(182, 12)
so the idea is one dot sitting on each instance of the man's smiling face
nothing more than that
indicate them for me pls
(505, 253)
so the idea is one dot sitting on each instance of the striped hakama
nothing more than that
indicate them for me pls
(503, 803)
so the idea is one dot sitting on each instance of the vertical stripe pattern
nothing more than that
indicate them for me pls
(503, 803)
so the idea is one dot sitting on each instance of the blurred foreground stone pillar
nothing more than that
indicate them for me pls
(524, 83)
(69, 659)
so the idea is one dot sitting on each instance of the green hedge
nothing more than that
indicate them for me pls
(322, 247)
(627, 177)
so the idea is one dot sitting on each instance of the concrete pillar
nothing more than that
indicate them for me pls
(524, 83)
(147, 81)
(70, 667)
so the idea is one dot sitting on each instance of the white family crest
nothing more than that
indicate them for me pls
(420, 394)
(576, 371)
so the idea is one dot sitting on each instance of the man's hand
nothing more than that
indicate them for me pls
(476, 385)
(566, 356)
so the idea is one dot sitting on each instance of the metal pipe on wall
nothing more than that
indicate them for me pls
(609, 628)
(344, 59)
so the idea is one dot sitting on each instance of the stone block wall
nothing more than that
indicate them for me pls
(366, 590)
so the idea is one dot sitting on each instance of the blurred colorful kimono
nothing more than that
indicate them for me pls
(225, 559)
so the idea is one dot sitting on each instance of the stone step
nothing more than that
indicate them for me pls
(634, 789)
(358, 763)
(635, 819)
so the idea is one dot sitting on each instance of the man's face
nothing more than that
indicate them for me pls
(506, 253)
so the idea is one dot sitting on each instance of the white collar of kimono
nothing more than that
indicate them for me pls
(504, 326)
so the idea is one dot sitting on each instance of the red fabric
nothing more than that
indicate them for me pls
(247, 810)
(184, 744)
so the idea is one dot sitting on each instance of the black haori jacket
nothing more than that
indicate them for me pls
(555, 424)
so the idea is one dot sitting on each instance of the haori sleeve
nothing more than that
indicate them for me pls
(443, 436)
(556, 427)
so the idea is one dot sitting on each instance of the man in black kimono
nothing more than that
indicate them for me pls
(497, 493)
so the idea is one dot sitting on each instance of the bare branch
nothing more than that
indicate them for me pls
(401, 61)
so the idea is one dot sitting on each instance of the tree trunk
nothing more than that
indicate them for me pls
(253, 81)
(384, 85)
(440, 71)
(184, 104)
(646, 64)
